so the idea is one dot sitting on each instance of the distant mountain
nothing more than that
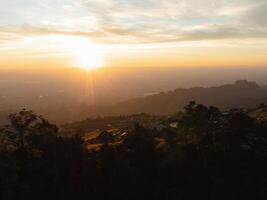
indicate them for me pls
(242, 93)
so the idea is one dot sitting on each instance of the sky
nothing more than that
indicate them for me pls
(132, 33)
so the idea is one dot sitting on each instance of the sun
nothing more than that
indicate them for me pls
(85, 53)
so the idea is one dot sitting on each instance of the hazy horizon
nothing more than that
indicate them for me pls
(57, 88)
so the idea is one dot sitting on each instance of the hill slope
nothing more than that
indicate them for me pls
(242, 93)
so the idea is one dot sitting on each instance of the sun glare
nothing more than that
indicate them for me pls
(85, 53)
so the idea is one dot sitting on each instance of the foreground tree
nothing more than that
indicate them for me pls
(209, 155)
(24, 127)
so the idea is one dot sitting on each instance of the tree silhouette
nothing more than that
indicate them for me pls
(209, 155)
(23, 127)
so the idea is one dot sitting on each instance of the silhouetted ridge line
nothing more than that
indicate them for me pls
(242, 93)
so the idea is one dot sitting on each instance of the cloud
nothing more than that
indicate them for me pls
(257, 16)
(183, 20)
(149, 21)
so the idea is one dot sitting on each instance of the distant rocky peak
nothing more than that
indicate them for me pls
(246, 84)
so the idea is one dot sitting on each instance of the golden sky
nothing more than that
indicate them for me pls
(132, 33)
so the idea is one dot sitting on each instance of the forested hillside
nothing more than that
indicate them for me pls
(201, 153)
(241, 94)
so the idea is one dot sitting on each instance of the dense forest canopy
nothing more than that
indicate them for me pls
(201, 153)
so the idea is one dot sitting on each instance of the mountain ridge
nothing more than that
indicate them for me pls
(242, 93)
